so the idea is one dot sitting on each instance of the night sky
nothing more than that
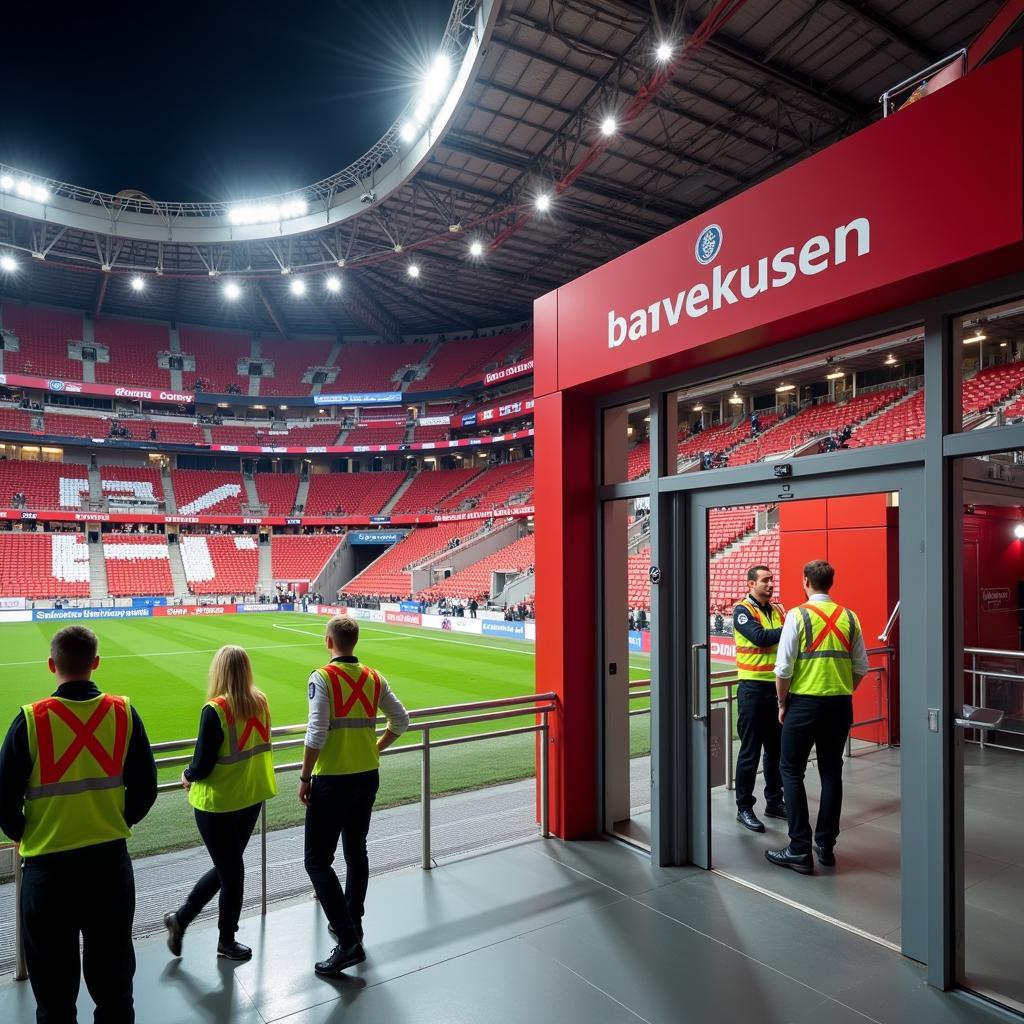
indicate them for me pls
(207, 101)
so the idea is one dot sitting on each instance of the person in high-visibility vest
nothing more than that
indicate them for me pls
(757, 626)
(231, 775)
(76, 773)
(339, 780)
(820, 662)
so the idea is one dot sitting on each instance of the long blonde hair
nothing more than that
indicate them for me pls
(231, 678)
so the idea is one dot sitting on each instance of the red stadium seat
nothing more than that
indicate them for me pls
(301, 558)
(206, 491)
(220, 563)
(137, 565)
(350, 494)
(44, 565)
(475, 580)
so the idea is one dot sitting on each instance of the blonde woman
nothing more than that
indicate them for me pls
(230, 776)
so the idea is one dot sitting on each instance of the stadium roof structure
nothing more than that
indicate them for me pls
(744, 88)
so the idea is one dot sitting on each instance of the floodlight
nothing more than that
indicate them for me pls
(8, 263)
(413, 270)
(476, 247)
(24, 189)
(232, 290)
(298, 286)
(436, 79)
(138, 283)
(407, 131)
(40, 194)
(333, 283)
(6, 182)
(663, 52)
(1018, 531)
(609, 126)
(543, 202)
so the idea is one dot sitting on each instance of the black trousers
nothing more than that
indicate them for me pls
(759, 729)
(88, 892)
(226, 835)
(822, 723)
(340, 807)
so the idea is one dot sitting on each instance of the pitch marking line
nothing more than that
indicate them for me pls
(447, 639)
(170, 654)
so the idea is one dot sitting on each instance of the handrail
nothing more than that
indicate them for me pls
(893, 616)
(540, 705)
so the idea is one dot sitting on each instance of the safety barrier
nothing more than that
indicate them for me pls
(978, 680)
(424, 721)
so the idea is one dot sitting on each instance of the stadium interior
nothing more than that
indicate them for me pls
(312, 404)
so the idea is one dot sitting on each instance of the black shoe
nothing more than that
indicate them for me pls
(341, 958)
(748, 819)
(785, 858)
(826, 858)
(776, 811)
(175, 933)
(233, 951)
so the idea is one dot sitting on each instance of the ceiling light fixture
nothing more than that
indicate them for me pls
(232, 291)
(138, 283)
(783, 388)
(476, 248)
(413, 270)
(663, 52)
(543, 202)
(8, 263)
(333, 284)
(609, 126)
(297, 286)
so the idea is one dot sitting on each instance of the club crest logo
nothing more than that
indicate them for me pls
(709, 244)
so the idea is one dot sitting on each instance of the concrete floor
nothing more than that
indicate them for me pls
(560, 933)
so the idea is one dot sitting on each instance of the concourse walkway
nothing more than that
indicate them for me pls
(541, 930)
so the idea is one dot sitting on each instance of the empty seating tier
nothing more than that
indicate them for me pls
(296, 559)
(475, 580)
(493, 488)
(728, 571)
(368, 368)
(131, 482)
(43, 336)
(387, 575)
(184, 432)
(60, 425)
(292, 359)
(277, 492)
(133, 351)
(45, 484)
(15, 419)
(137, 565)
(902, 422)
(350, 494)
(430, 488)
(272, 435)
(220, 563)
(377, 432)
(989, 387)
(458, 361)
(205, 491)
(217, 354)
(726, 525)
(44, 565)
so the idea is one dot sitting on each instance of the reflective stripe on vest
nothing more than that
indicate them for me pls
(824, 662)
(352, 739)
(757, 664)
(75, 792)
(244, 772)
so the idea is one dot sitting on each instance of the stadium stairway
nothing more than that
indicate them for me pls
(301, 494)
(265, 579)
(169, 498)
(393, 500)
(251, 497)
(178, 577)
(95, 488)
(97, 572)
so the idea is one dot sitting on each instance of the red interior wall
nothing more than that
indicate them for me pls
(993, 562)
(859, 536)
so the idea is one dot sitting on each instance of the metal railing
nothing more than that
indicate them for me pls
(978, 679)
(425, 721)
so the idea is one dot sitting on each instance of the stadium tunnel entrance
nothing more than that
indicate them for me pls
(826, 348)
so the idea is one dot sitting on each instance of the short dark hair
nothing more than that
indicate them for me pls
(344, 632)
(820, 575)
(754, 570)
(73, 650)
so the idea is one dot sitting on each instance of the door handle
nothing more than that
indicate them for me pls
(695, 708)
(979, 718)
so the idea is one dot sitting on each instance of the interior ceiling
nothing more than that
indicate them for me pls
(782, 80)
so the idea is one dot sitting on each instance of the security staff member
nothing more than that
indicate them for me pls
(821, 661)
(76, 772)
(231, 774)
(338, 783)
(757, 626)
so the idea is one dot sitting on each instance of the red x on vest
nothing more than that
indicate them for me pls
(830, 627)
(52, 770)
(343, 707)
(261, 728)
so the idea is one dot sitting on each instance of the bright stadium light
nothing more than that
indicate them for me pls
(333, 284)
(138, 283)
(663, 52)
(1018, 531)
(40, 194)
(413, 270)
(8, 264)
(6, 182)
(609, 126)
(267, 213)
(436, 79)
(232, 290)
(24, 189)
(543, 202)
(407, 131)
(297, 286)
(476, 248)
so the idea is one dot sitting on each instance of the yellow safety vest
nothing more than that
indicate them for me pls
(824, 664)
(244, 772)
(757, 664)
(354, 693)
(75, 794)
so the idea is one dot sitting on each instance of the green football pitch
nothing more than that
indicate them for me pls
(162, 664)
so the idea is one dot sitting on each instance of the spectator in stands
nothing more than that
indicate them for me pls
(755, 424)
(473, 606)
(339, 780)
(78, 878)
(632, 619)
(231, 774)
(641, 619)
